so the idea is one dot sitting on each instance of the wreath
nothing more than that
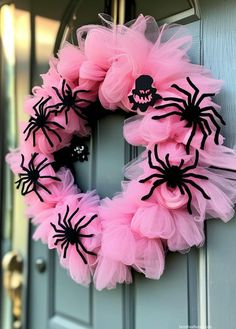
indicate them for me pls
(184, 176)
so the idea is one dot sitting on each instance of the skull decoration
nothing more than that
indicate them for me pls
(144, 94)
(76, 151)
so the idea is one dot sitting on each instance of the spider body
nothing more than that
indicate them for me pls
(69, 234)
(174, 176)
(190, 110)
(41, 121)
(69, 100)
(29, 179)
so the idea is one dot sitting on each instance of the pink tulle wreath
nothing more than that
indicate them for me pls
(184, 176)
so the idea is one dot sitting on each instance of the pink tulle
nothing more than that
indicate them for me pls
(87, 206)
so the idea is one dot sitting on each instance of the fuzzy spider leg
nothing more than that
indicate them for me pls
(217, 133)
(155, 185)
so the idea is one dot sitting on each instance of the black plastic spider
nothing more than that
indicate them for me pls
(41, 121)
(30, 178)
(174, 176)
(190, 110)
(69, 100)
(68, 234)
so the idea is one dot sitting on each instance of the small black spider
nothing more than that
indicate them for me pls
(174, 176)
(41, 121)
(144, 94)
(190, 110)
(30, 178)
(68, 234)
(69, 100)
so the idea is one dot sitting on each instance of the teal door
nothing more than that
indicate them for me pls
(197, 289)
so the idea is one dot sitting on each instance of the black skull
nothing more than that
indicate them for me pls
(144, 94)
(76, 151)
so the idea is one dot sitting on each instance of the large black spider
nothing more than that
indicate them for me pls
(68, 234)
(174, 176)
(41, 120)
(68, 100)
(190, 110)
(30, 178)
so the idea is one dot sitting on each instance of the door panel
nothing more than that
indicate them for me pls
(179, 298)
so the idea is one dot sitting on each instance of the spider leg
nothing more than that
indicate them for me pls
(51, 177)
(163, 106)
(40, 164)
(150, 177)
(66, 215)
(204, 96)
(26, 189)
(21, 180)
(43, 187)
(181, 189)
(39, 196)
(158, 159)
(34, 136)
(29, 126)
(194, 165)
(157, 117)
(204, 138)
(195, 176)
(206, 125)
(189, 197)
(189, 181)
(22, 161)
(35, 105)
(86, 235)
(81, 255)
(47, 137)
(56, 229)
(191, 137)
(86, 250)
(58, 94)
(151, 165)
(58, 240)
(66, 114)
(176, 99)
(31, 162)
(78, 223)
(167, 160)
(181, 163)
(57, 106)
(72, 215)
(155, 185)
(195, 89)
(55, 124)
(211, 108)
(55, 133)
(60, 223)
(88, 222)
(76, 108)
(217, 133)
(44, 102)
(183, 91)
(65, 245)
